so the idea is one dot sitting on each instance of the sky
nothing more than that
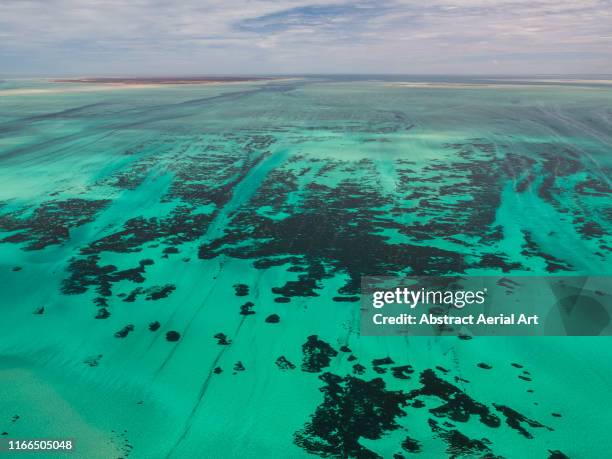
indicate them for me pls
(214, 37)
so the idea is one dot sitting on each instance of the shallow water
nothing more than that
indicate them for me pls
(181, 204)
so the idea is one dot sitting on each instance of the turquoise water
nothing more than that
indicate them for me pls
(149, 236)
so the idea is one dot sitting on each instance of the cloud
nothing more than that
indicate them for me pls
(297, 36)
(313, 17)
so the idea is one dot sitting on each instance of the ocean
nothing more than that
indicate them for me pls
(180, 265)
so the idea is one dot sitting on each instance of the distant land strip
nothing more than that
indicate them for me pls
(164, 80)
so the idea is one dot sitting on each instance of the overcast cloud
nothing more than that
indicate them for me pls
(138, 37)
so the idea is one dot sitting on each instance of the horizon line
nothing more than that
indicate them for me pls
(318, 74)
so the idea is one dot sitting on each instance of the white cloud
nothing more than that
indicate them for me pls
(293, 36)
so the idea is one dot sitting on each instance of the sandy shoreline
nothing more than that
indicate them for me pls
(134, 81)
(553, 80)
(500, 84)
(35, 91)
(110, 84)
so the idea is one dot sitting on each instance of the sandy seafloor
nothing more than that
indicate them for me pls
(204, 210)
